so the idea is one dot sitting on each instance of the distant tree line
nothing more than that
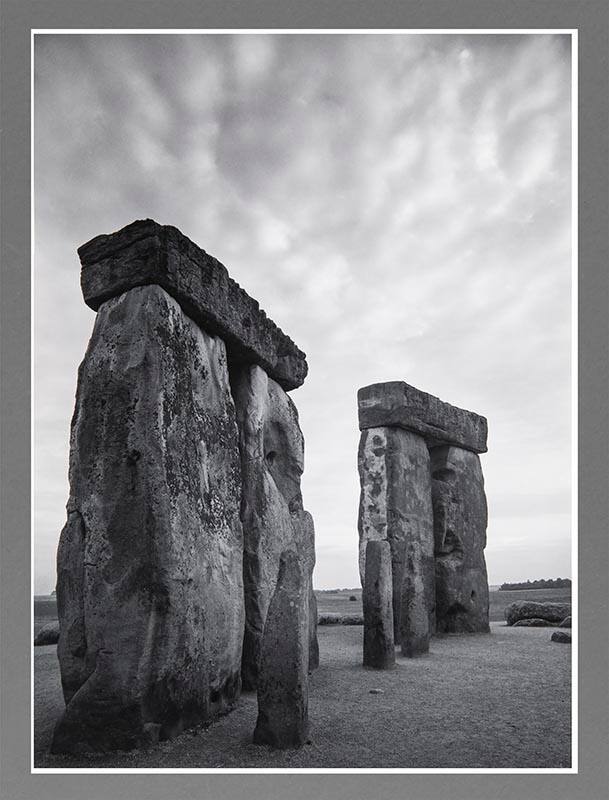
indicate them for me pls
(549, 583)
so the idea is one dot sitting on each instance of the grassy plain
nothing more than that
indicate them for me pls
(478, 701)
(337, 601)
(510, 691)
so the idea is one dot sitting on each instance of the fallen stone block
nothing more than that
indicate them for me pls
(527, 609)
(49, 634)
(563, 637)
(532, 622)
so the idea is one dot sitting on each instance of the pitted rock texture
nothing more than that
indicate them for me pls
(416, 624)
(145, 252)
(527, 609)
(379, 648)
(395, 504)
(150, 586)
(283, 692)
(272, 461)
(397, 404)
(460, 520)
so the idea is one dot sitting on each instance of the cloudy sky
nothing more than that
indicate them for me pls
(398, 204)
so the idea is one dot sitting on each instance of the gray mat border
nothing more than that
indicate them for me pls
(591, 17)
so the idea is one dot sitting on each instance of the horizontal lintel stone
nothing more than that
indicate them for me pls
(397, 404)
(145, 252)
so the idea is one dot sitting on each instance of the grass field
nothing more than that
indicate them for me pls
(338, 601)
(498, 701)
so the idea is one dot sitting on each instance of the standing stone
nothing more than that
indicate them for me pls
(460, 520)
(395, 504)
(379, 648)
(272, 462)
(150, 588)
(313, 641)
(284, 661)
(415, 623)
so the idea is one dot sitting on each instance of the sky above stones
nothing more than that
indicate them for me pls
(398, 204)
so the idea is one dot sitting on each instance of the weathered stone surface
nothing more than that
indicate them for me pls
(527, 609)
(284, 660)
(533, 622)
(145, 252)
(150, 588)
(397, 404)
(566, 623)
(313, 641)
(395, 504)
(563, 637)
(415, 619)
(272, 460)
(460, 520)
(379, 648)
(49, 634)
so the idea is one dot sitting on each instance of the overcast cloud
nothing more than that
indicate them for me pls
(398, 204)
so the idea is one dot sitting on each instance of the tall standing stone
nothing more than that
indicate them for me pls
(284, 661)
(395, 504)
(379, 648)
(150, 588)
(274, 520)
(460, 519)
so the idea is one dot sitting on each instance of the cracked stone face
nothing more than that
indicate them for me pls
(150, 588)
(272, 459)
(460, 520)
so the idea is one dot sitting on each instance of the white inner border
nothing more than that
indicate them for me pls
(573, 32)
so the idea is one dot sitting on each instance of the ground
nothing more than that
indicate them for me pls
(494, 701)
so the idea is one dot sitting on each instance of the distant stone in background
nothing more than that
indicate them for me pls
(460, 520)
(150, 576)
(398, 404)
(49, 634)
(272, 462)
(566, 623)
(438, 536)
(395, 504)
(528, 609)
(379, 647)
(561, 636)
(532, 622)
(284, 661)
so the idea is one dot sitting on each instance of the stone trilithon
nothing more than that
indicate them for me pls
(185, 465)
(422, 491)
